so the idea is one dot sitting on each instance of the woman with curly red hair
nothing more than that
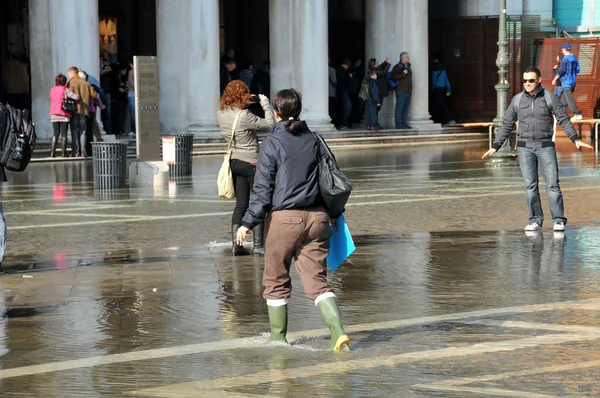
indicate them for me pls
(244, 153)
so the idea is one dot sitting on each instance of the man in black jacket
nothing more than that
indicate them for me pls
(344, 86)
(535, 145)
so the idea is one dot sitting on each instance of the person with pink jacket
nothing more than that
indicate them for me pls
(60, 119)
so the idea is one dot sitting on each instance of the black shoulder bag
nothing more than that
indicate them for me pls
(334, 186)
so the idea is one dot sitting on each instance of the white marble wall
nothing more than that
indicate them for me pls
(188, 58)
(299, 54)
(63, 33)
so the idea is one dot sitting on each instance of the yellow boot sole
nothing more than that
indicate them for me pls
(342, 341)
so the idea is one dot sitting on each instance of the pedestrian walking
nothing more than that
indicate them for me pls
(567, 73)
(286, 195)
(80, 118)
(534, 109)
(373, 102)
(242, 124)
(58, 116)
(402, 76)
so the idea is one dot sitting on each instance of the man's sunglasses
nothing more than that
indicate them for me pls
(529, 81)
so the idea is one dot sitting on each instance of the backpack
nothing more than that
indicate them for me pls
(363, 94)
(548, 96)
(392, 83)
(17, 138)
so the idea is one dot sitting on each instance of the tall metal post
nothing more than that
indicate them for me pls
(506, 156)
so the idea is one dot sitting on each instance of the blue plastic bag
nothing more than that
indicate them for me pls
(341, 245)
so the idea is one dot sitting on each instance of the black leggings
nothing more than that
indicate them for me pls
(60, 129)
(243, 180)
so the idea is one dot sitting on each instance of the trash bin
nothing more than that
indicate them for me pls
(110, 164)
(177, 153)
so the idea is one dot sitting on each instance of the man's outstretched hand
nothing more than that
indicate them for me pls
(581, 144)
(488, 153)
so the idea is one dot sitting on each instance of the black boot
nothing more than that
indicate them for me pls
(53, 147)
(63, 146)
(258, 236)
(237, 250)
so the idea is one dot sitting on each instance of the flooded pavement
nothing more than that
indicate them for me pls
(134, 293)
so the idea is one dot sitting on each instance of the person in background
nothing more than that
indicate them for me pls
(567, 73)
(244, 153)
(106, 81)
(382, 82)
(287, 199)
(247, 73)
(373, 102)
(440, 86)
(558, 90)
(332, 93)
(344, 85)
(226, 73)
(131, 98)
(402, 73)
(261, 82)
(59, 118)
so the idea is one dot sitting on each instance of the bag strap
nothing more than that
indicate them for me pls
(235, 122)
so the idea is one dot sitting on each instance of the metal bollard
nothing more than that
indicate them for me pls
(177, 153)
(110, 164)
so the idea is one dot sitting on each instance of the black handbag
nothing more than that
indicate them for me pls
(334, 186)
(69, 105)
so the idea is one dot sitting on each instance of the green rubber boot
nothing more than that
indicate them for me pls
(278, 318)
(330, 311)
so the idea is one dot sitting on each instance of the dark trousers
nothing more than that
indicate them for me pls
(78, 127)
(106, 114)
(60, 129)
(301, 235)
(116, 115)
(243, 180)
(439, 101)
(345, 110)
(371, 113)
(88, 136)
(568, 99)
(333, 110)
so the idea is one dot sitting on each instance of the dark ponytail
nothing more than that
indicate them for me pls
(288, 105)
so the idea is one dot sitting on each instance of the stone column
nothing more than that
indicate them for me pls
(384, 39)
(299, 55)
(416, 42)
(188, 61)
(63, 33)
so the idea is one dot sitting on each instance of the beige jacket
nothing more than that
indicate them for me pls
(245, 143)
(85, 92)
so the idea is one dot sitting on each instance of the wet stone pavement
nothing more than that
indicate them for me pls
(134, 293)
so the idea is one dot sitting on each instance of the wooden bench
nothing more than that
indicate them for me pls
(580, 123)
(489, 125)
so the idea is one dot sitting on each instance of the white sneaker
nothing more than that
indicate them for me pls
(533, 226)
(131, 134)
(577, 117)
(452, 122)
(559, 227)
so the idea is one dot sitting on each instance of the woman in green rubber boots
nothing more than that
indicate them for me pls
(286, 196)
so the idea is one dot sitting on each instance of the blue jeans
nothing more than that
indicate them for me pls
(529, 158)
(131, 100)
(78, 138)
(371, 113)
(3, 233)
(402, 105)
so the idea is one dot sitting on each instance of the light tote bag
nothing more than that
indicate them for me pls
(225, 179)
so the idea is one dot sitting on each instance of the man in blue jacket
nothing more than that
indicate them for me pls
(567, 73)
